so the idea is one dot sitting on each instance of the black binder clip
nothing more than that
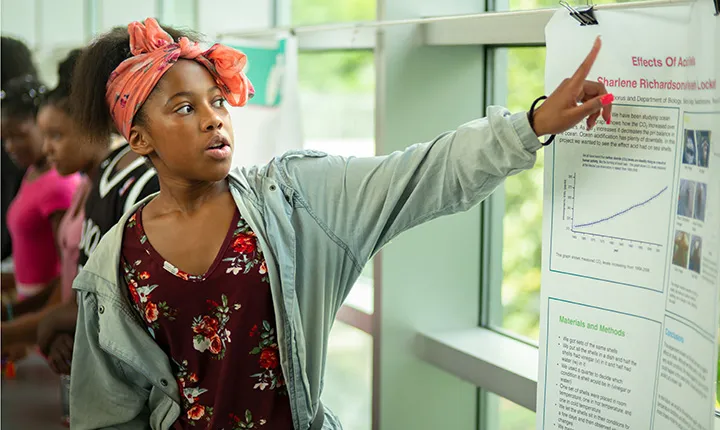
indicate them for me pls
(717, 7)
(585, 16)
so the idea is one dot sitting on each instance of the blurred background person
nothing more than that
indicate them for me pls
(60, 146)
(44, 195)
(16, 61)
(117, 179)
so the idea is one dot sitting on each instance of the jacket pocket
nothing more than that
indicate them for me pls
(163, 410)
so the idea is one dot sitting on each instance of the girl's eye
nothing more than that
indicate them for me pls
(219, 103)
(185, 110)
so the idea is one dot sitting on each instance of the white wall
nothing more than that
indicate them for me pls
(217, 16)
(52, 27)
(112, 13)
(18, 20)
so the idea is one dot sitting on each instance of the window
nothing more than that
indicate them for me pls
(307, 12)
(337, 102)
(518, 78)
(348, 376)
(506, 415)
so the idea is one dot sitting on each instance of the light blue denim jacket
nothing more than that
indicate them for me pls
(318, 219)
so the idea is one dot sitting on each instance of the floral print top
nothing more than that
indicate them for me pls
(217, 328)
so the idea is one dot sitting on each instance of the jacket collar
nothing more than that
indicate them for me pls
(106, 264)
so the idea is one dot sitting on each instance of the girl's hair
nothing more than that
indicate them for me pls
(97, 62)
(59, 95)
(22, 96)
(16, 60)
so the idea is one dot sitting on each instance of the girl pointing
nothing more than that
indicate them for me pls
(209, 304)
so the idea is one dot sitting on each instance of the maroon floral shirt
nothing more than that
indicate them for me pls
(217, 328)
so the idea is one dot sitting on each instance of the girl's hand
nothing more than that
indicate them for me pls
(561, 110)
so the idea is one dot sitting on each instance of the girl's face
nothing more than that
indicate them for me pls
(187, 133)
(61, 141)
(23, 140)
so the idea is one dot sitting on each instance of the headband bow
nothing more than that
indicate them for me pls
(153, 53)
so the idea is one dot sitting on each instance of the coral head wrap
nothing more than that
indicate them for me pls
(153, 53)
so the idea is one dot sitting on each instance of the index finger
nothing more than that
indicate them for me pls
(582, 72)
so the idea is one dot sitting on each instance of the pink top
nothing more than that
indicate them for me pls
(35, 253)
(69, 234)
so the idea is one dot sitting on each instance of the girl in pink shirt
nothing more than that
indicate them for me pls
(61, 148)
(34, 215)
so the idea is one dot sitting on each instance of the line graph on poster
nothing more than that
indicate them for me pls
(618, 218)
(611, 226)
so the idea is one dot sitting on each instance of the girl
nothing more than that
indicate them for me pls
(57, 130)
(116, 179)
(44, 195)
(16, 61)
(209, 304)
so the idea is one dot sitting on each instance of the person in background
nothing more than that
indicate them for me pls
(60, 147)
(16, 61)
(34, 214)
(118, 178)
(209, 304)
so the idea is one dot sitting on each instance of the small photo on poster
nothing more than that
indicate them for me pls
(686, 198)
(700, 201)
(695, 254)
(690, 150)
(702, 138)
(681, 249)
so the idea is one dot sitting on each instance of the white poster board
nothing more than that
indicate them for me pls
(631, 235)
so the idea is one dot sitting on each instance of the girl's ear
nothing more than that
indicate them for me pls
(140, 142)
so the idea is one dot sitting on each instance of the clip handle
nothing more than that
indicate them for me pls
(583, 16)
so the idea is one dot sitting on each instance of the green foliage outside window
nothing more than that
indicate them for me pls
(522, 232)
(311, 12)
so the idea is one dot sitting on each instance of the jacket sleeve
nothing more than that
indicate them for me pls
(365, 202)
(100, 397)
